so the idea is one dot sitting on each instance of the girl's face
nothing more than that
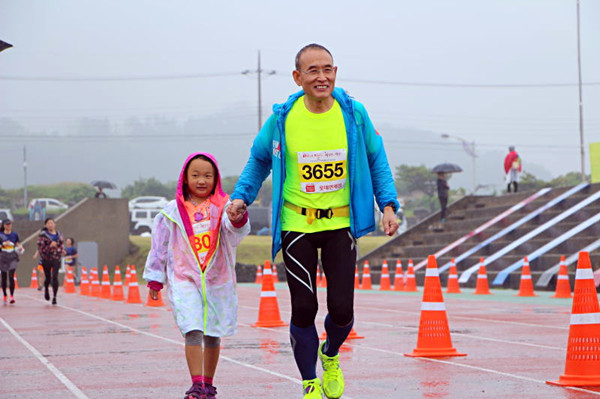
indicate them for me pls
(200, 178)
(50, 225)
(69, 243)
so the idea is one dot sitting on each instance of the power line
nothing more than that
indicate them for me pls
(117, 78)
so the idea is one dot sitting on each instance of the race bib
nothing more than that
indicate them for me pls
(202, 239)
(8, 247)
(322, 171)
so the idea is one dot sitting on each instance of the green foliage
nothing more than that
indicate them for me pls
(527, 181)
(415, 178)
(228, 183)
(69, 193)
(149, 187)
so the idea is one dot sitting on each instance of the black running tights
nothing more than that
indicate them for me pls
(10, 276)
(51, 268)
(338, 257)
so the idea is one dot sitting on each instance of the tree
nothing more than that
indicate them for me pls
(150, 187)
(415, 178)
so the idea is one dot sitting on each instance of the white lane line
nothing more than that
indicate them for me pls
(449, 362)
(250, 366)
(519, 377)
(61, 377)
(454, 333)
(517, 323)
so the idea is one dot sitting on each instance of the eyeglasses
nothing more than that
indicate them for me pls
(314, 72)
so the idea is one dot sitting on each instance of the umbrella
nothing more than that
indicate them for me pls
(446, 168)
(103, 184)
(4, 45)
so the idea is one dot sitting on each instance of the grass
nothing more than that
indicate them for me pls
(252, 251)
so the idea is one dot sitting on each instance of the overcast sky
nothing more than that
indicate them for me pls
(485, 71)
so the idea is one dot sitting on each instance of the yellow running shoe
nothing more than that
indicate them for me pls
(312, 389)
(333, 378)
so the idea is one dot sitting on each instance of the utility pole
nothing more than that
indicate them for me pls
(259, 71)
(25, 176)
(581, 141)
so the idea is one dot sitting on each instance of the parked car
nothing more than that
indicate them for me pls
(148, 202)
(52, 205)
(140, 220)
(5, 214)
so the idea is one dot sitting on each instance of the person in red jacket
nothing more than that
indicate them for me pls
(512, 168)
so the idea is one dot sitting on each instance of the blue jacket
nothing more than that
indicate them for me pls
(368, 169)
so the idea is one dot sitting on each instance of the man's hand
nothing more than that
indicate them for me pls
(236, 210)
(153, 294)
(389, 222)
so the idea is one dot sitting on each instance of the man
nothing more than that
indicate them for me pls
(512, 168)
(442, 189)
(327, 161)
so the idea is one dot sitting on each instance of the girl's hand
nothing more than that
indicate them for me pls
(236, 210)
(153, 294)
(53, 244)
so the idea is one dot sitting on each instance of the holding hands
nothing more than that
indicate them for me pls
(236, 210)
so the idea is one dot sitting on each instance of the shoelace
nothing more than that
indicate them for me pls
(210, 390)
(196, 388)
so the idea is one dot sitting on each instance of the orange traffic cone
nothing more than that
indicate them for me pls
(323, 280)
(482, 287)
(563, 285)
(155, 303)
(105, 284)
(526, 286)
(384, 283)
(69, 283)
(452, 287)
(434, 333)
(117, 294)
(275, 276)
(133, 296)
(398, 277)
(582, 366)
(258, 275)
(268, 311)
(411, 282)
(127, 276)
(356, 278)
(95, 283)
(84, 287)
(16, 281)
(34, 280)
(352, 335)
(366, 277)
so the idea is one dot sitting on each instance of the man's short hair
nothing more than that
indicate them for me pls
(312, 46)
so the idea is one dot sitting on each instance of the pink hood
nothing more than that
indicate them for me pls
(218, 201)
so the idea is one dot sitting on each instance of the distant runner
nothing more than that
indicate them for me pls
(10, 248)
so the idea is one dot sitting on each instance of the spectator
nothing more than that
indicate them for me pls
(512, 168)
(442, 189)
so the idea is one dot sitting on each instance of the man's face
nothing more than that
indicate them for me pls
(316, 75)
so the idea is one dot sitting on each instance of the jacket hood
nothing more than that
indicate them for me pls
(218, 198)
(338, 93)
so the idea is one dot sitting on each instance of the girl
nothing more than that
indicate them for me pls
(193, 251)
(10, 248)
(71, 256)
(50, 248)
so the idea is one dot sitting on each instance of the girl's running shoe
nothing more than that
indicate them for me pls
(210, 391)
(312, 389)
(195, 392)
(5, 299)
(12, 299)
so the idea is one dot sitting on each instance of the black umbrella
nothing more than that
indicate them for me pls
(446, 168)
(4, 45)
(103, 184)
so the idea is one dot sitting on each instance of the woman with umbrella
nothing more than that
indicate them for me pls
(101, 185)
(442, 185)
